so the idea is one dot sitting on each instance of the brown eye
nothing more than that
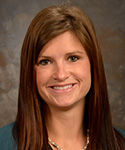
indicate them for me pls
(73, 58)
(44, 62)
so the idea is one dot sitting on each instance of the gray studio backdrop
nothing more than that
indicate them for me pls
(108, 17)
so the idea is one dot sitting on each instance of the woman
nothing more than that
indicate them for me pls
(63, 99)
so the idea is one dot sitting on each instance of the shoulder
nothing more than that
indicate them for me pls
(122, 132)
(6, 138)
(6, 129)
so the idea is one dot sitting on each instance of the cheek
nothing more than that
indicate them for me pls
(41, 82)
(84, 70)
(84, 74)
(41, 78)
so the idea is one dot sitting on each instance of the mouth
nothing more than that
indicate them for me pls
(62, 88)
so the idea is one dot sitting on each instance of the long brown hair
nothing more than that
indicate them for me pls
(30, 130)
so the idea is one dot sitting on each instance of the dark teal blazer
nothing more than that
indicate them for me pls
(7, 142)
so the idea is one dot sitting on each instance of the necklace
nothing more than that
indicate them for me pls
(57, 147)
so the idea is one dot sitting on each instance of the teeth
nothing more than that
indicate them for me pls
(62, 87)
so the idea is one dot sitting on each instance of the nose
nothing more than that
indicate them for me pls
(61, 72)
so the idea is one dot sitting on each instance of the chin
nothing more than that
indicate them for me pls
(66, 106)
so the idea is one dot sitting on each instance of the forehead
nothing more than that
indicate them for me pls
(65, 42)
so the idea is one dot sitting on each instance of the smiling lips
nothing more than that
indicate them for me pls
(64, 88)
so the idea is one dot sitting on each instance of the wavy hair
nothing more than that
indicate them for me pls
(30, 129)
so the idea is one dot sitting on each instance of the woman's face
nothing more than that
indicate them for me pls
(63, 75)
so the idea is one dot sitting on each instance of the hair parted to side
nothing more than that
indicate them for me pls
(30, 130)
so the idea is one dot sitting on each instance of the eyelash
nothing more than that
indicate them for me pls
(45, 62)
(73, 58)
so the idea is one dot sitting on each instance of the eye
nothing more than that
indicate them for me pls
(73, 58)
(44, 62)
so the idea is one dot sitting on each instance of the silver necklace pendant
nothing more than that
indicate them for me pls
(57, 147)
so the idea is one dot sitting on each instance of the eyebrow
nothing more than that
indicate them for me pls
(75, 52)
(42, 56)
(70, 53)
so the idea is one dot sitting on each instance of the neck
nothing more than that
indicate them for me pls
(66, 126)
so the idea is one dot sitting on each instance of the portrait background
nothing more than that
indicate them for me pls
(108, 17)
